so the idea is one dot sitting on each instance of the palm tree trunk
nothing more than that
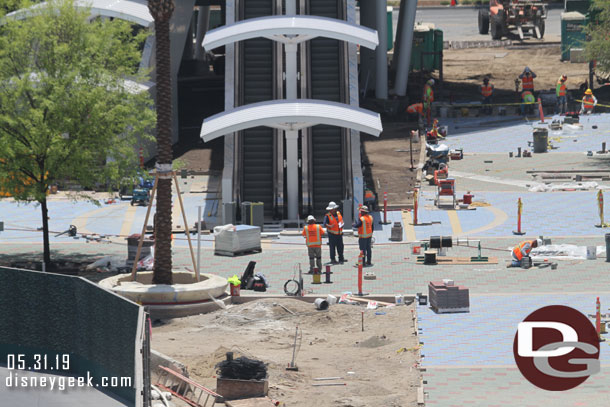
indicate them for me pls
(161, 10)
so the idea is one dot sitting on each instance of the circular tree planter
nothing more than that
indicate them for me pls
(185, 297)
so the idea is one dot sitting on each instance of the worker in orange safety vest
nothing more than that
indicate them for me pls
(487, 90)
(527, 102)
(333, 222)
(588, 102)
(561, 91)
(522, 250)
(364, 224)
(527, 79)
(313, 238)
(417, 108)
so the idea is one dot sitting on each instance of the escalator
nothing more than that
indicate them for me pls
(326, 83)
(257, 79)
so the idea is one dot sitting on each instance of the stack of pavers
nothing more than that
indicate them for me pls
(237, 240)
(446, 297)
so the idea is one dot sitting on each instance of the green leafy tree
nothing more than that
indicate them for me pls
(598, 46)
(67, 111)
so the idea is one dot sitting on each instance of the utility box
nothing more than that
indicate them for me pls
(253, 213)
(572, 32)
(229, 213)
(396, 232)
(347, 213)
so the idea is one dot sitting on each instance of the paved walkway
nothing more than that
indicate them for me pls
(467, 356)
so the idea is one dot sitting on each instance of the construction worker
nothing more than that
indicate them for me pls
(589, 101)
(313, 238)
(417, 108)
(522, 250)
(527, 79)
(333, 222)
(433, 135)
(527, 102)
(561, 91)
(364, 224)
(428, 98)
(487, 90)
(370, 199)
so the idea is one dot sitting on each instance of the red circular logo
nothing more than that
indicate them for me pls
(556, 348)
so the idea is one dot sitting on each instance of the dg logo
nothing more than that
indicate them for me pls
(556, 348)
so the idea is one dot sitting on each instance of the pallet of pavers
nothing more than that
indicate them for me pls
(230, 240)
(446, 297)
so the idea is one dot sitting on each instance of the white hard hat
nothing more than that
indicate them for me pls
(310, 217)
(539, 242)
(431, 81)
(364, 208)
(331, 206)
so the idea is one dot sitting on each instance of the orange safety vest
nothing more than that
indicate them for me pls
(517, 250)
(486, 91)
(528, 82)
(366, 229)
(416, 108)
(562, 89)
(588, 102)
(333, 224)
(313, 235)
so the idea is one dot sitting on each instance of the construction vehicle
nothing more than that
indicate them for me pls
(504, 16)
(140, 196)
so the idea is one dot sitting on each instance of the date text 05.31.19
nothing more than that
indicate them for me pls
(35, 362)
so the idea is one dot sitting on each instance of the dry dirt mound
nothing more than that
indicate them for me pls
(330, 343)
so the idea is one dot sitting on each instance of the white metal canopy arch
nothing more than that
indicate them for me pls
(291, 29)
(135, 11)
(290, 115)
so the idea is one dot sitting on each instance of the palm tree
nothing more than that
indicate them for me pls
(161, 11)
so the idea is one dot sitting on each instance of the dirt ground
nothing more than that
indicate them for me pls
(332, 344)
(389, 163)
(464, 69)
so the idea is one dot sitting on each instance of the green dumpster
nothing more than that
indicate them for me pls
(438, 48)
(423, 42)
(572, 32)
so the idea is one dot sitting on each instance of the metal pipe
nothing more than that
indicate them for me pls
(292, 136)
(292, 172)
(203, 19)
(381, 53)
(367, 64)
(198, 242)
(406, 45)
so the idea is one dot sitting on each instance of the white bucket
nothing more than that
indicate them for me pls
(399, 300)
(321, 304)
(443, 112)
(591, 253)
(331, 299)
